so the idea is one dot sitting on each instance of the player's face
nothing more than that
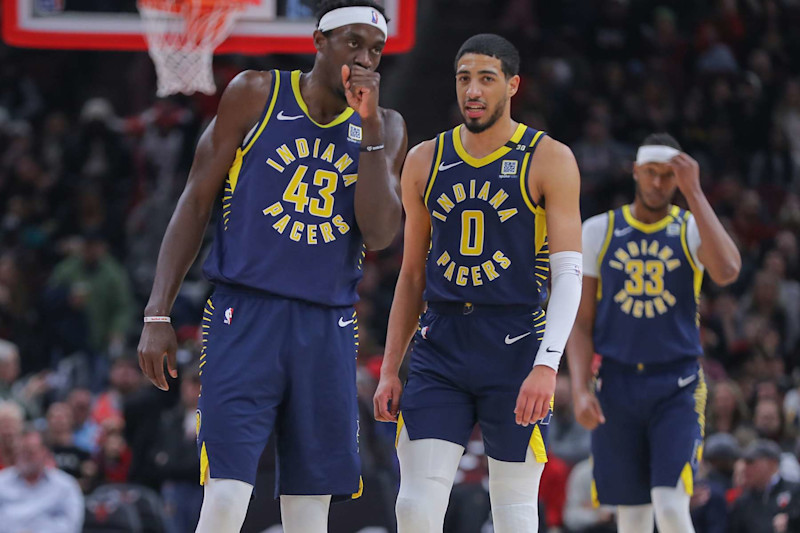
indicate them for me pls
(483, 90)
(354, 44)
(655, 185)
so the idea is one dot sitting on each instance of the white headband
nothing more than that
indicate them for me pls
(655, 154)
(353, 15)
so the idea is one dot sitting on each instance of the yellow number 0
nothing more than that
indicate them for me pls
(297, 192)
(470, 246)
(636, 286)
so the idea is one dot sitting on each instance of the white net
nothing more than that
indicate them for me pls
(181, 36)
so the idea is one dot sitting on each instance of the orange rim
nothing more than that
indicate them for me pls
(179, 6)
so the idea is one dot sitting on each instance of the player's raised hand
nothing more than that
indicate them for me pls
(687, 172)
(389, 391)
(158, 341)
(533, 401)
(587, 410)
(361, 88)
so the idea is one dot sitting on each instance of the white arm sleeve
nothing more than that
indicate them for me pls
(565, 297)
(693, 240)
(594, 234)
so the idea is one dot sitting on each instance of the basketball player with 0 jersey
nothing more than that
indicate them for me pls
(307, 167)
(644, 265)
(491, 216)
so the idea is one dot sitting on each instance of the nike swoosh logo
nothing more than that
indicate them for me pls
(443, 167)
(623, 231)
(344, 323)
(512, 340)
(548, 350)
(682, 382)
(281, 116)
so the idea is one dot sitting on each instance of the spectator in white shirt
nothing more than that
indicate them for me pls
(37, 498)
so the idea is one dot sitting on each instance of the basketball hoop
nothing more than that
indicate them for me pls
(181, 37)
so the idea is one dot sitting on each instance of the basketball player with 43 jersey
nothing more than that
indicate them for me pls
(307, 167)
(644, 266)
(480, 244)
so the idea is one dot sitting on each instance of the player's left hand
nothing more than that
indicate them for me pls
(361, 88)
(687, 172)
(533, 401)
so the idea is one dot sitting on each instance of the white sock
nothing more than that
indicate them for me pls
(635, 518)
(305, 514)
(514, 492)
(427, 470)
(225, 503)
(672, 509)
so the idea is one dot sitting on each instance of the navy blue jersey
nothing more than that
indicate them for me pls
(288, 222)
(648, 291)
(488, 238)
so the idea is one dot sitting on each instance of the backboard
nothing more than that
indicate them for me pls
(272, 26)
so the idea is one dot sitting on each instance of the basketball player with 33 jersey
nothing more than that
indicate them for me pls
(308, 170)
(481, 245)
(644, 266)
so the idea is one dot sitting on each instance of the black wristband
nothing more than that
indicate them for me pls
(373, 148)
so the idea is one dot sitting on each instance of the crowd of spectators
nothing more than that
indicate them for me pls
(91, 167)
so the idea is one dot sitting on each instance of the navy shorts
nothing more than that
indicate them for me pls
(468, 368)
(653, 434)
(274, 364)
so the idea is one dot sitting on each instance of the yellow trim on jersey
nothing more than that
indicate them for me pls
(523, 175)
(275, 89)
(540, 230)
(347, 113)
(204, 473)
(400, 424)
(491, 158)
(236, 168)
(435, 170)
(360, 488)
(655, 226)
(602, 254)
(700, 400)
(595, 499)
(537, 445)
(698, 272)
(687, 476)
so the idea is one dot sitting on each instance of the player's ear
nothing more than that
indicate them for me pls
(513, 85)
(320, 41)
(635, 172)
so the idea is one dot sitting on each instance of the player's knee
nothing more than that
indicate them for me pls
(514, 483)
(672, 510)
(224, 503)
(413, 516)
(422, 504)
(513, 491)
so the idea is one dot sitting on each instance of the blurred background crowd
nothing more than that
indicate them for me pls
(91, 166)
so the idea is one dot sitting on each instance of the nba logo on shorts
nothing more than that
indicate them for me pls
(228, 316)
(354, 133)
(424, 332)
(509, 167)
(374, 17)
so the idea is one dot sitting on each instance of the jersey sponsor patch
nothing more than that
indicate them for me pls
(509, 168)
(354, 133)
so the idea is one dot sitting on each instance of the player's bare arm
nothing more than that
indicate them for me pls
(717, 251)
(240, 108)
(580, 350)
(407, 304)
(384, 145)
(554, 180)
